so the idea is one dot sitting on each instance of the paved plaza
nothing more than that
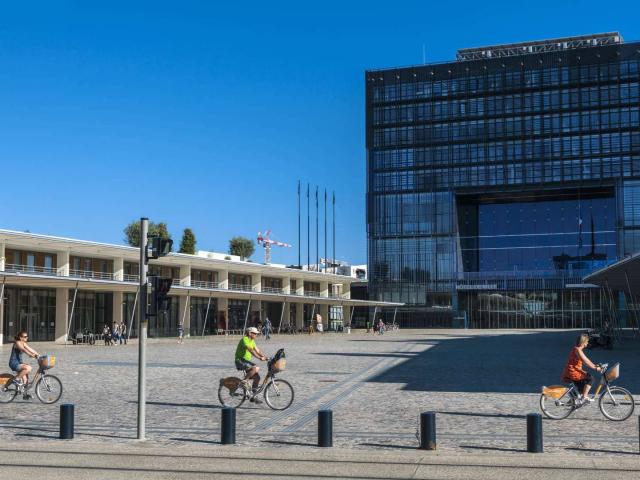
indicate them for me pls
(480, 383)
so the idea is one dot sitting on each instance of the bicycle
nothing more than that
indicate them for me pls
(616, 403)
(278, 393)
(48, 387)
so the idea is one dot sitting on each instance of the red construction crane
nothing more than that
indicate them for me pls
(266, 242)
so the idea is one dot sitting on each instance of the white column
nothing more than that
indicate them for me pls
(324, 311)
(118, 269)
(256, 282)
(3, 260)
(117, 307)
(223, 311)
(62, 266)
(223, 279)
(324, 289)
(286, 285)
(346, 290)
(62, 312)
(300, 286)
(185, 276)
(184, 312)
(299, 315)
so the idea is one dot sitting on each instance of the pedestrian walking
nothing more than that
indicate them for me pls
(123, 333)
(115, 332)
(381, 327)
(180, 333)
(267, 328)
(106, 335)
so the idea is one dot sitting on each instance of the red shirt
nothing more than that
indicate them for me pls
(573, 369)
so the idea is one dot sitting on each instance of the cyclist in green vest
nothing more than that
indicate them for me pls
(246, 349)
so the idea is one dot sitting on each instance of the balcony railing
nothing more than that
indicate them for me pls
(311, 293)
(90, 274)
(240, 287)
(204, 284)
(127, 277)
(31, 269)
(175, 282)
(279, 291)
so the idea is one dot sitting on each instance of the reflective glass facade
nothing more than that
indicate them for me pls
(524, 168)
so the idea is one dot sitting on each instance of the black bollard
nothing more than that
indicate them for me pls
(428, 431)
(228, 426)
(325, 428)
(66, 421)
(534, 433)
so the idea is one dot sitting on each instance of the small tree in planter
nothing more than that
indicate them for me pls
(188, 242)
(242, 247)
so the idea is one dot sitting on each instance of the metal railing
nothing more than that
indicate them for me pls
(311, 293)
(272, 290)
(175, 282)
(90, 274)
(240, 287)
(32, 269)
(204, 284)
(127, 277)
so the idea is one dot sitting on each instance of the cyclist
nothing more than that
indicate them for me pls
(15, 360)
(573, 372)
(246, 349)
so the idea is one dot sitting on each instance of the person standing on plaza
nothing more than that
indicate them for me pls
(319, 325)
(380, 327)
(123, 333)
(115, 332)
(106, 335)
(180, 332)
(267, 328)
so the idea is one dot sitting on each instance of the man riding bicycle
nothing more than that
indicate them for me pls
(246, 349)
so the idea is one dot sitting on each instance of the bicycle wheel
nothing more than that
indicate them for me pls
(49, 389)
(557, 408)
(279, 394)
(616, 404)
(8, 392)
(232, 395)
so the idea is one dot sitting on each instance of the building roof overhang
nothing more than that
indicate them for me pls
(623, 276)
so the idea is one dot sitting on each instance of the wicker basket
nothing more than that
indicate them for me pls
(5, 378)
(231, 383)
(47, 361)
(280, 365)
(613, 373)
(554, 391)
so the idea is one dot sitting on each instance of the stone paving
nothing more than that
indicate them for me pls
(480, 383)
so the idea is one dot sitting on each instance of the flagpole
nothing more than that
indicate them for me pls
(299, 223)
(334, 230)
(308, 230)
(325, 229)
(317, 234)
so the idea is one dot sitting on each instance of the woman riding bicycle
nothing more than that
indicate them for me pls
(15, 360)
(573, 372)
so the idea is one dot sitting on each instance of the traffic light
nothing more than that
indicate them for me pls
(158, 247)
(160, 300)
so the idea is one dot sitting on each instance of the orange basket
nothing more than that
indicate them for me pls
(47, 361)
(554, 391)
(5, 379)
(613, 373)
(280, 365)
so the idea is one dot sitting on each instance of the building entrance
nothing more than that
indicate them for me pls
(30, 309)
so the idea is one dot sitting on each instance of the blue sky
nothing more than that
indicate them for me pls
(206, 114)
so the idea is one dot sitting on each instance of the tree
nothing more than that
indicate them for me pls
(132, 232)
(188, 242)
(241, 246)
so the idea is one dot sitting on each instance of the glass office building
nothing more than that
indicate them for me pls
(498, 180)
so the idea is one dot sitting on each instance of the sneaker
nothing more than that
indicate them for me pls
(588, 399)
(255, 400)
(27, 396)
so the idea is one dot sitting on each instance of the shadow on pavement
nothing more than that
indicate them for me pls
(196, 440)
(172, 404)
(599, 450)
(298, 444)
(388, 445)
(498, 449)
(509, 362)
(490, 415)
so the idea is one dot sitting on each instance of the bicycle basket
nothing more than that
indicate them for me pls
(613, 373)
(278, 362)
(47, 361)
(554, 391)
(5, 379)
(231, 383)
